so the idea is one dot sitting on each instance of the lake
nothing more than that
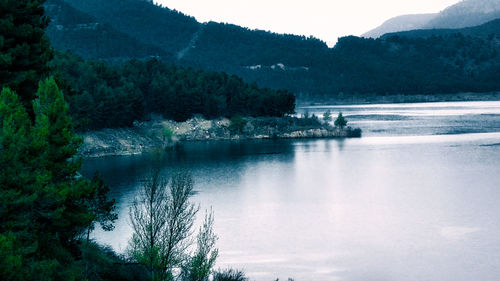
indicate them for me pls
(416, 198)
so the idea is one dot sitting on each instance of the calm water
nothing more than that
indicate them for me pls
(417, 198)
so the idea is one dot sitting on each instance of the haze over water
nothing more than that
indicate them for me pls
(417, 198)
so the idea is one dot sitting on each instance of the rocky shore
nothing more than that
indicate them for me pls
(145, 136)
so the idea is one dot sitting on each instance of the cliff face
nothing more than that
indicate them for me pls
(161, 134)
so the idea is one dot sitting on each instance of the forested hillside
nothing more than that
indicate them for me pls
(71, 29)
(450, 61)
(439, 64)
(148, 23)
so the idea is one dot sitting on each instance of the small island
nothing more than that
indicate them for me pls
(160, 133)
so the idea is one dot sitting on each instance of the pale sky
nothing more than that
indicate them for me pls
(324, 19)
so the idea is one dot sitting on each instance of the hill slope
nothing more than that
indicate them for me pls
(71, 29)
(272, 60)
(400, 23)
(445, 63)
(466, 13)
(148, 23)
(485, 30)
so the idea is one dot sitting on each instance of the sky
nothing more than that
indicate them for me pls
(324, 19)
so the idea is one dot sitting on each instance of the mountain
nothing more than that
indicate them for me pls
(466, 13)
(150, 24)
(270, 59)
(71, 29)
(488, 29)
(400, 23)
(450, 62)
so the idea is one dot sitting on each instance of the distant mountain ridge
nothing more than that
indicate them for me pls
(491, 28)
(400, 23)
(466, 13)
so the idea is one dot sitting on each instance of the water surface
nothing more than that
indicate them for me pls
(417, 198)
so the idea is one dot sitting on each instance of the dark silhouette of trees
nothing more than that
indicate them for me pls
(340, 121)
(24, 48)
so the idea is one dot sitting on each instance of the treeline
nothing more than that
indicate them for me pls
(103, 95)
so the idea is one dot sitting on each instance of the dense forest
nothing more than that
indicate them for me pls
(103, 95)
(451, 61)
(438, 64)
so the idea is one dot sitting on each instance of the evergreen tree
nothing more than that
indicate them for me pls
(340, 121)
(62, 209)
(327, 116)
(24, 48)
(101, 207)
(44, 203)
(16, 195)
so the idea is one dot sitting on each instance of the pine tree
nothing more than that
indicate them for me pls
(101, 207)
(16, 195)
(340, 121)
(45, 205)
(24, 48)
(54, 126)
(327, 116)
(62, 201)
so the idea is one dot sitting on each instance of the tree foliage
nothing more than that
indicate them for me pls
(327, 116)
(199, 266)
(24, 48)
(230, 275)
(340, 121)
(162, 219)
(104, 95)
(102, 208)
(43, 203)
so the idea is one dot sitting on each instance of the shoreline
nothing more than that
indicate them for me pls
(162, 134)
